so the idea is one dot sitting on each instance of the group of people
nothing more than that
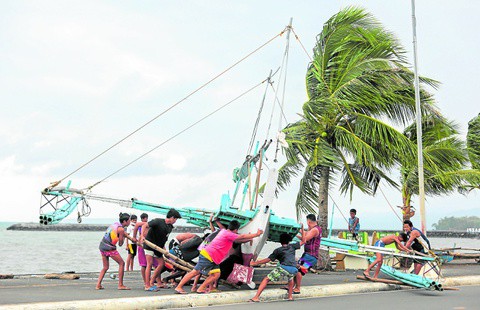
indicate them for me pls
(214, 250)
(407, 241)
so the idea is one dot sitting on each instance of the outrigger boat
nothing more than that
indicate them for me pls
(251, 203)
(251, 206)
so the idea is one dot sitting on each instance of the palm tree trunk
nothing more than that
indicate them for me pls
(406, 209)
(322, 215)
(324, 262)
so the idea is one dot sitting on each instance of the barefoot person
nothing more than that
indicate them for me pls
(309, 258)
(286, 270)
(213, 254)
(142, 260)
(156, 231)
(379, 256)
(354, 224)
(414, 235)
(130, 246)
(114, 234)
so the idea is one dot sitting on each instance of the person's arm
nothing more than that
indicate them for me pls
(219, 224)
(303, 239)
(244, 237)
(413, 235)
(185, 237)
(311, 234)
(135, 230)
(145, 228)
(210, 222)
(259, 262)
(400, 246)
(121, 235)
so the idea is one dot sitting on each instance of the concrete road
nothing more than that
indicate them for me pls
(466, 298)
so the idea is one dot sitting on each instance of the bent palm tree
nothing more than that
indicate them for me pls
(357, 82)
(473, 147)
(445, 157)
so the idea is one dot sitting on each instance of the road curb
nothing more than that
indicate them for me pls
(225, 298)
(463, 280)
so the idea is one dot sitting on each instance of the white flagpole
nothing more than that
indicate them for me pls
(421, 184)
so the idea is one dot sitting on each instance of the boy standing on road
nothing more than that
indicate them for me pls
(286, 268)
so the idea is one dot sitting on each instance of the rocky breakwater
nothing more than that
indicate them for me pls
(84, 227)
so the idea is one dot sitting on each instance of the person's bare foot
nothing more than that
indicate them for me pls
(365, 273)
(99, 287)
(123, 288)
(180, 291)
(296, 291)
(254, 300)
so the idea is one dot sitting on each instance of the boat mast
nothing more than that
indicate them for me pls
(421, 184)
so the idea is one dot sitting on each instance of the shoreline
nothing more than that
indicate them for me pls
(195, 229)
(85, 227)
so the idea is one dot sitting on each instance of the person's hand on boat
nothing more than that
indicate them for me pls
(259, 232)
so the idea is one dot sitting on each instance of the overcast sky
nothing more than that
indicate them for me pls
(77, 76)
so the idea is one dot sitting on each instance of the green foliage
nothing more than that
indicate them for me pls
(358, 85)
(457, 223)
(445, 158)
(473, 142)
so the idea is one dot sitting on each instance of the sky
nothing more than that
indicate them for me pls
(77, 76)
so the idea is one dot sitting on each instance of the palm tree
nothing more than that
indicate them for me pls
(445, 157)
(357, 82)
(473, 141)
(473, 147)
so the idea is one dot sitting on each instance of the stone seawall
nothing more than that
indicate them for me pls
(195, 229)
(84, 227)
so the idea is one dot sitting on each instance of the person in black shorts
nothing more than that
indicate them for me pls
(414, 235)
(131, 247)
(156, 231)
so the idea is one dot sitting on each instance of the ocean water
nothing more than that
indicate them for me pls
(38, 252)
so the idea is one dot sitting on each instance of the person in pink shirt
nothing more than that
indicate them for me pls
(213, 254)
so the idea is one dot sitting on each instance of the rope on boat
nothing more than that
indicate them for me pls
(179, 133)
(301, 44)
(174, 105)
(259, 114)
(389, 203)
(336, 205)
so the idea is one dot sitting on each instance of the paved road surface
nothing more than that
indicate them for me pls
(466, 298)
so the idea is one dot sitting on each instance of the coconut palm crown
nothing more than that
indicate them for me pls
(359, 87)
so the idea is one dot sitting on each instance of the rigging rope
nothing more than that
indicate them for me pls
(174, 105)
(389, 203)
(279, 103)
(255, 127)
(301, 44)
(276, 93)
(338, 208)
(179, 133)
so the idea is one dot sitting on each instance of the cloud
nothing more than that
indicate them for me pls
(9, 167)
